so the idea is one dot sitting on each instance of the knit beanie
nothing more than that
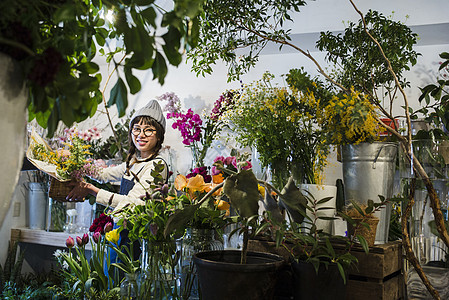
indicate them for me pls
(152, 109)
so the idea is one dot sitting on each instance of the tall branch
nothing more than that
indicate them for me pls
(305, 53)
(119, 145)
(410, 255)
(434, 201)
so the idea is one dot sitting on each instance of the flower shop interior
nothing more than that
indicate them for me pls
(312, 134)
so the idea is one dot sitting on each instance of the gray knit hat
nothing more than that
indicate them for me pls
(152, 109)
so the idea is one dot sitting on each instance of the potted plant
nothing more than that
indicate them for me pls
(319, 261)
(231, 266)
(361, 221)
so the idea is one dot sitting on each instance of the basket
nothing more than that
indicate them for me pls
(59, 190)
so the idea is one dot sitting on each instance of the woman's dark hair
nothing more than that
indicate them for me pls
(160, 132)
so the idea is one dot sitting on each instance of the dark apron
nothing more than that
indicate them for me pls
(126, 185)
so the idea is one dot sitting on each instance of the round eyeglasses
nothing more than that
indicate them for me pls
(146, 131)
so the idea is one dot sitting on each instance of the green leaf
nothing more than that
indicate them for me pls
(242, 191)
(363, 243)
(293, 201)
(444, 55)
(324, 200)
(149, 15)
(342, 272)
(159, 68)
(180, 218)
(133, 81)
(119, 97)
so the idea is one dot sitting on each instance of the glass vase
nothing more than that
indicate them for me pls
(56, 216)
(129, 288)
(160, 263)
(428, 248)
(194, 241)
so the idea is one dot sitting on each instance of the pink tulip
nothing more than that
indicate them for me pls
(79, 241)
(70, 242)
(85, 239)
(96, 236)
(108, 227)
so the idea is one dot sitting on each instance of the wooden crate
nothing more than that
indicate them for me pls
(377, 276)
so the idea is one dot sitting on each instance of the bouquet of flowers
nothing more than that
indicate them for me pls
(281, 123)
(62, 165)
(198, 133)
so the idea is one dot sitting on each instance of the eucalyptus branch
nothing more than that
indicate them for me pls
(120, 149)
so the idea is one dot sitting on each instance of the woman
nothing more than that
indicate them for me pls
(146, 135)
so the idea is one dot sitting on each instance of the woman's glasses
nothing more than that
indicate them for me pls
(146, 131)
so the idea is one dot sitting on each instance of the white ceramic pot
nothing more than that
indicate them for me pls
(13, 103)
(319, 192)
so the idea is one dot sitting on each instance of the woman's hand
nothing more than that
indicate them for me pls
(81, 190)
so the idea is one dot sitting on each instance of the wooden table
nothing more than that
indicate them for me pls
(43, 237)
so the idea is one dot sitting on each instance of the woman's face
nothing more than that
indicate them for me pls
(144, 138)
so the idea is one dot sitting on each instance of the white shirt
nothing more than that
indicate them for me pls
(114, 174)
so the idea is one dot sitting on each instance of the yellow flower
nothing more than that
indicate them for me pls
(261, 190)
(113, 236)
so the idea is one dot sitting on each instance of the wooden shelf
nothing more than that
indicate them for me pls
(42, 237)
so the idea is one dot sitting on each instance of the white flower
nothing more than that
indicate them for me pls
(57, 253)
(65, 265)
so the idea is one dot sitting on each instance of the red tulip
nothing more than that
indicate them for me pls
(79, 241)
(70, 242)
(96, 237)
(85, 239)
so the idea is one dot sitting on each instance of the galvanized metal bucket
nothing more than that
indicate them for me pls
(368, 171)
(36, 205)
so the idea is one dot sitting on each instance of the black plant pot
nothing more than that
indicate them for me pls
(221, 276)
(307, 284)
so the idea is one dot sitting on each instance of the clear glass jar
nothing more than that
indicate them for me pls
(129, 288)
(160, 263)
(194, 241)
